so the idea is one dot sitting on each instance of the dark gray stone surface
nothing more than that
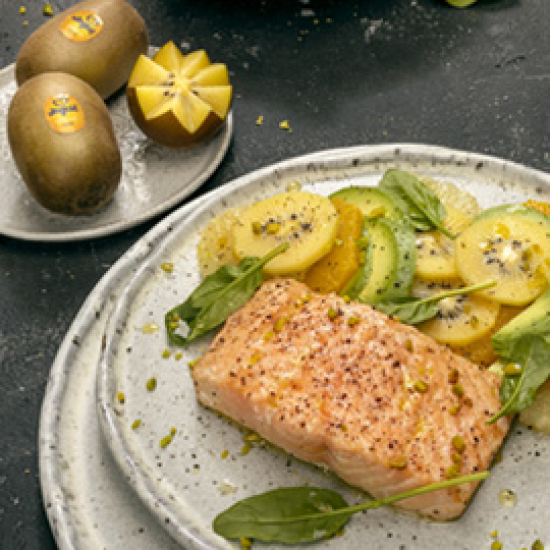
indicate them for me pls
(341, 73)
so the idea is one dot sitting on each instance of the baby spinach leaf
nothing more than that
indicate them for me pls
(217, 297)
(305, 514)
(424, 209)
(411, 310)
(517, 392)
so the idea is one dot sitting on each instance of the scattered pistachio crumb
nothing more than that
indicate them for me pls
(346, 299)
(453, 376)
(256, 228)
(496, 545)
(352, 321)
(399, 463)
(136, 424)
(224, 453)
(494, 534)
(252, 437)
(165, 441)
(537, 545)
(453, 471)
(166, 354)
(458, 443)
(409, 345)
(332, 313)
(420, 386)
(284, 125)
(48, 10)
(193, 362)
(269, 335)
(25, 23)
(178, 355)
(151, 384)
(455, 409)
(246, 544)
(255, 357)
(260, 120)
(173, 431)
(22, 10)
(246, 449)
(280, 323)
(167, 266)
(458, 390)
(121, 398)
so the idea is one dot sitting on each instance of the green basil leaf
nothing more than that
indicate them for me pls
(423, 207)
(411, 310)
(217, 297)
(306, 514)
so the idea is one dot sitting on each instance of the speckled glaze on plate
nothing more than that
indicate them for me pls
(154, 179)
(204, 469)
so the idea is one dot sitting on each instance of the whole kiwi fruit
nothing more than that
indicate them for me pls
(63, 143)
(98, 41)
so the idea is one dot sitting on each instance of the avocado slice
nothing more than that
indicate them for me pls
(372, 202)
(515, 210)
(390, 258)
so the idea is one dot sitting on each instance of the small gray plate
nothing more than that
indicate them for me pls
(154, 179)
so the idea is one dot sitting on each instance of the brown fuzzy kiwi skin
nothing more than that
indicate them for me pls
(105, 61)
(68, 173)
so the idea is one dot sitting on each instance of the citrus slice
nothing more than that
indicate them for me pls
(179, 100)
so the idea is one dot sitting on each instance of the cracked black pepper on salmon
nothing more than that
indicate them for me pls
(343, 386)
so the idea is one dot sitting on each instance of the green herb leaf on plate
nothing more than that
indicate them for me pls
(411, 310)
(424, 209)
(217, 297)
(306, 514)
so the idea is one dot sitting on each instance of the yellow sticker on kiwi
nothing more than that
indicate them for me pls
(64, 114)
(81, 26)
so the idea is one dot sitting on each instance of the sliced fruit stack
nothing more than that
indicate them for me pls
(360, 243)
(179, 100)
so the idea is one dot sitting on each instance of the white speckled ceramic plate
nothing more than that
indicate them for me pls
(154, 179)
(203, 470)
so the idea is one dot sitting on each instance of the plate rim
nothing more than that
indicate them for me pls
(162, 508)
(224, 136)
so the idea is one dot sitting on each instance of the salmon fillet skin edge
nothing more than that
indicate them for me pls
(343, 386)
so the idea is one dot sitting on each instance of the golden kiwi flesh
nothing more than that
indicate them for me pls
(96, 40)
(63, 143)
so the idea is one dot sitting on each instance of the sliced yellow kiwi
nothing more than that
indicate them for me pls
(461, 319)
(435, 258)
(334, 270)
(452, 196)
(307, 222)
(511, 246)
(215, 247)
(178, 100)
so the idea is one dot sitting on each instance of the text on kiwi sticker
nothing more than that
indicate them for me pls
(81, 26)
(64, 114)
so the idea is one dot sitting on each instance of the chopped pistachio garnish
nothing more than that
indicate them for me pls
(252, 438)
(269, 335)
(352, 321)
(511, 369)
(409, 345)
(455, 409)
(224, 453)
(346, 299)
(165, 441)
(468, 401)
(246, 544)
(121, 398)
(255, 357)
(245, 449)
(166, 354)
(399, 463)
(173, 431)
(332, 313)
(420, 386)
(22, 10)
(452, 471)
(48, 10)
(260, 120)
(167, 266)
(453, 376)
(494, 534)
(537, 545)
(458, 390)
(193, 362)
(178, 355)
(496, 545)
(151, 384)
(280, 323)
(136, 424)
(458, 443)
(456, 458)
(256, 228)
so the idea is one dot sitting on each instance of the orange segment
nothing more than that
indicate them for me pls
(334, 270)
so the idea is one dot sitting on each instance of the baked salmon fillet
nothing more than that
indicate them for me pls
(343, 386)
